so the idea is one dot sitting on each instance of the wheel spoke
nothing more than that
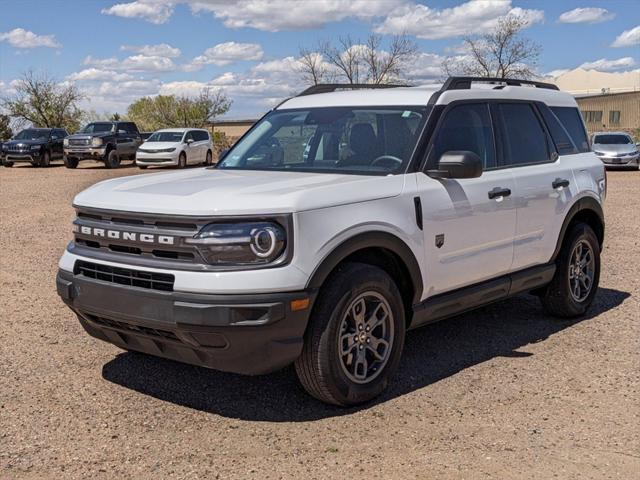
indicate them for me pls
(374, 321)
(347, 343)
(361, 366)
(358, 311)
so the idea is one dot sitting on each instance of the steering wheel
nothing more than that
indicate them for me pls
(390, 161)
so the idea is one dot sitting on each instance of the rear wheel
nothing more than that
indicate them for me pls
(113, 159)
(209, 159)
(70, 162)
(575, 282)
(355, 336)
(182, 160)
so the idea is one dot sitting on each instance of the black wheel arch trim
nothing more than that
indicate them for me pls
(582, 205)
(361, 241)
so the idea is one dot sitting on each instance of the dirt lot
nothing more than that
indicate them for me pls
(505, 392)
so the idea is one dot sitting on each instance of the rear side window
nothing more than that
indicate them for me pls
(561, 139)
(467, 127)
(200, 135)
(572, 121)
(525, 141)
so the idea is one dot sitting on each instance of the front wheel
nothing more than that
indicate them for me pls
(113, 159)
(70, 162)
(45, 160)
(182, 160)
(7, 164)
(575, 282)
(209, 158)
(355, 336)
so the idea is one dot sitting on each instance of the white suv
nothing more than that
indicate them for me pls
(340, 221)
(176, 146)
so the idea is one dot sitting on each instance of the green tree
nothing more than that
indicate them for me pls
(43, 102)
(5, 127)
(167, 111)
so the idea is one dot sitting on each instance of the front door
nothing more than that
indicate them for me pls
(469, 224)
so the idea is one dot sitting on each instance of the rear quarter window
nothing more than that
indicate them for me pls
(572, 121)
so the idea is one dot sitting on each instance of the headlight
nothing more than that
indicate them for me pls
(96, 142)
(168, 150)
(65, 142)
(240, 243)
(598, 153)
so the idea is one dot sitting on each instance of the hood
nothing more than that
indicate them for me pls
(614, 148)
(85, 136)
(159, 145)
(26, 142)
(206, 191)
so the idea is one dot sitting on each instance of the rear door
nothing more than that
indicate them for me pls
(543, 178)
(469, 223)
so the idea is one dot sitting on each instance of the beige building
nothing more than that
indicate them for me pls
(611, 111)
(232, 128)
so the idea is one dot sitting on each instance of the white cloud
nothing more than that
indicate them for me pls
(586, 15)
(628, 38)
(160, 50)
(605, 65)
(114, 96)
(152, 11)
(272, 16)
(556, 73)
(134, 63)
(226, 53)
(21, 38)
(427, 68)
(96, 74)
(471, 17)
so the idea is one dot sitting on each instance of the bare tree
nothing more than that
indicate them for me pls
(312, 67)
(501, 53)
(42, 101)
(352, 61)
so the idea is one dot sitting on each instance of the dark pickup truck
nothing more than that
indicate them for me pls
(108, 142)
(37, 146)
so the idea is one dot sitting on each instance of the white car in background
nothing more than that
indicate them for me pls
(176, 146)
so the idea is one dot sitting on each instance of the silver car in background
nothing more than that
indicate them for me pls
(616, 149)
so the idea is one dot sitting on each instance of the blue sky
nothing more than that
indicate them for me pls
(118, 51)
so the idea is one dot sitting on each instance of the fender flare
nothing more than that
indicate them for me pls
(583, 204)
(373, 239)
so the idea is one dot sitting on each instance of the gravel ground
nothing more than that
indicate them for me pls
(504, 392)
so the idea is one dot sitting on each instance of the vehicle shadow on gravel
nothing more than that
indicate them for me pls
(431, 353)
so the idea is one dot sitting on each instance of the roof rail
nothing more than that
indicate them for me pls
(332, 87)
(463, 83)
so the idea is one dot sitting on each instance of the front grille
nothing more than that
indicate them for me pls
(125, 276)
(17, 148)
(79, 142)
(129, 327)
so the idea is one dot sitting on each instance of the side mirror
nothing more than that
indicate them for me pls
(189, 141)
(638, 144)
(222, 154)
(458, 164)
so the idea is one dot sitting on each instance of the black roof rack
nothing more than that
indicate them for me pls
(464, 83)
(332, 87)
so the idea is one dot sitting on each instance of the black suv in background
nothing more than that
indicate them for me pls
(108, 142)
(37, 146)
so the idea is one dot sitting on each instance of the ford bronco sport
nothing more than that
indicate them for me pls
(340, 221)
(108, 142)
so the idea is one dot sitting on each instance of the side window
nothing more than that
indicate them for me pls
(561, 139)
(572, 120)
(467, 127)
(201, 136)
(525, 141)
(189, 136)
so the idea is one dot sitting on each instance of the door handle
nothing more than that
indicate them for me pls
(499, 192)
(560, 182)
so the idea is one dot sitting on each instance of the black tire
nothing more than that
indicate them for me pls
(45, 159)
(7, 164)
(113, 159)
(209, 158)
(142, 167)
(182, 160)
(558, 299)
(321, 368)
(70, 162)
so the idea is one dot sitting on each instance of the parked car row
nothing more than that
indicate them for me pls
(110, 143)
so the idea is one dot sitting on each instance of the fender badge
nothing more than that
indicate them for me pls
(440, 240)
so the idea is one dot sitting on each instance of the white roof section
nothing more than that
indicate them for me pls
(399, 96)
(181, 129)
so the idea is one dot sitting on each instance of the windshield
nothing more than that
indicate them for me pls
(97, 128)
(612, 139)
(357, 140)
(33, 134)
(166, 137)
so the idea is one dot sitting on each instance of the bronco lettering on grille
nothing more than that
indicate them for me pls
(129, 236)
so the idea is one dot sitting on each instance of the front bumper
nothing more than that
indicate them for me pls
(22, 157)
(83, 153)
(162, 158)
(626, 161)
(249, 334)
